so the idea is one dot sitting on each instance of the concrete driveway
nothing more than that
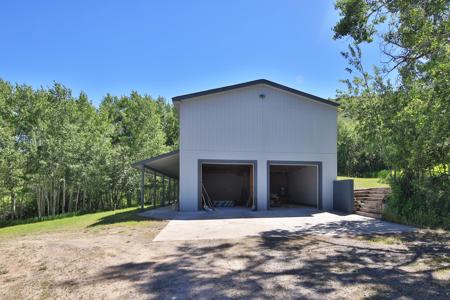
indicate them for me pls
(235, 223)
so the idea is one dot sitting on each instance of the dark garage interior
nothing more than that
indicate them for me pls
(293, 185)
(228, 185)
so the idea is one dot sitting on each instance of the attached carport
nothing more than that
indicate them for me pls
(159, 179)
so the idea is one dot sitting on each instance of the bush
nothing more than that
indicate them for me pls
(421, 201)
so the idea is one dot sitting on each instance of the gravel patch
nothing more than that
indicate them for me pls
(127, 264)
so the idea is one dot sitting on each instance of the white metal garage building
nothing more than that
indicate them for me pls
(257, 144)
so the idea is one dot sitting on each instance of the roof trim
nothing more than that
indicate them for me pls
(162, 156)
(251, 83)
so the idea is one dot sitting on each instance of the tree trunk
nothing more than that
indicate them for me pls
(70, 199)
(47, 200)
(55, 195)
(13, 205)
(128, 199)
(63, 206)
(38, 201)
(84, 199)
(115, 200)
(89, 195)
(77, 198)
(52, 199)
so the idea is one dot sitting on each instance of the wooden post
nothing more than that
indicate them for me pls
(142, 186)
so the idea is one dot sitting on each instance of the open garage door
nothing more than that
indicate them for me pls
(294, 184)
(227, 185)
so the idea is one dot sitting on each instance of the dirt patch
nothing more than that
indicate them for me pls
(124, 263)
(33, 267)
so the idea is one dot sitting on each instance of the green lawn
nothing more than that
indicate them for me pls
(122, 217)
(361, 183)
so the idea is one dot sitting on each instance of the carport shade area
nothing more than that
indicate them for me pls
(294, 185)
(159, 178)
(228, 185)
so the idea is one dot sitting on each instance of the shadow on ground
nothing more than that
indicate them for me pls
(122, 217)
(343, 227)
(238, 212)
(297, 264)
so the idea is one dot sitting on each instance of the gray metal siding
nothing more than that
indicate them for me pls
(240, 125)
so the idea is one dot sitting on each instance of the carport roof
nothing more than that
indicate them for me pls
(166, 164)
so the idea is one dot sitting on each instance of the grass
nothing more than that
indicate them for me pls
(123, 217)
(363, 183)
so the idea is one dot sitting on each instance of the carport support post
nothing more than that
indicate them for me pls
(163, 190)
(142, 186)
(178, 190)
(170, 190)
(154, 189)
(174, 189)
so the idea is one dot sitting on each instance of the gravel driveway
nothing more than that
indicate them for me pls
(125, 263)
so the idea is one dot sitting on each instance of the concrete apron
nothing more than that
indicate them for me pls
(237, 223)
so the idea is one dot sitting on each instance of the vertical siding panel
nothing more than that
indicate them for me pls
(240, 125)
(240, 121)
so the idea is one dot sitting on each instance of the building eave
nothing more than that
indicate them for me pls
(252, 83)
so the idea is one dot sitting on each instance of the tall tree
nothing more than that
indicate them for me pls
(59, 153)
(409, 121)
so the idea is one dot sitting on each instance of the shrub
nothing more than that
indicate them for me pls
(419, 200)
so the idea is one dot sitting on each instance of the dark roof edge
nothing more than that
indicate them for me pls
(161, 156)
(250, 83)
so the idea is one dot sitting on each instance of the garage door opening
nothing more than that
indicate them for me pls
(294, 185)
(227, 185)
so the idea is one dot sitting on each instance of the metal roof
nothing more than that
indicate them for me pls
(251, 83)
(166, 164)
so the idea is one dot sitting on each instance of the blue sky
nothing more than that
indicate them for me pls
(167, 48)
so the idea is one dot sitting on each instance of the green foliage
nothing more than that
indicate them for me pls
(59, 154)
(426, 204)
(356, 14)
(356, 157)
(406, 123)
